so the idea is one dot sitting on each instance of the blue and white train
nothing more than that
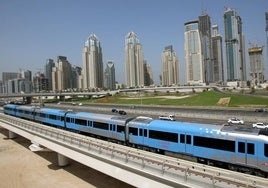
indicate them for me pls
(237, 148)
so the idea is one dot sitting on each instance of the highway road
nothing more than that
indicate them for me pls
(207, 115)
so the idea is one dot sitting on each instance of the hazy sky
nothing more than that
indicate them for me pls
(32, 31)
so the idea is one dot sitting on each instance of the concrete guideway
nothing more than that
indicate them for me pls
(136, 167)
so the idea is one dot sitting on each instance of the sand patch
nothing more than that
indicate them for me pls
(224, 101)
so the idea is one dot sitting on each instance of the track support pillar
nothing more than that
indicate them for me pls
(62, 160)
(11, 135)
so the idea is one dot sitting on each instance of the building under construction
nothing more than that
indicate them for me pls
(256, 64)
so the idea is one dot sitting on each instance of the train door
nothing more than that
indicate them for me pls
(186, 140)
(241, 157)
(143, 136)
(112, 130)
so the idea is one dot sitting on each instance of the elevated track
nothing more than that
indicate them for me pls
(135, 167)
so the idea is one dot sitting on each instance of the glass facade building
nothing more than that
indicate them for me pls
(204, 27)
(235, 50)
(109, 76)
(217, 54)
(193, 56)
(48, 72)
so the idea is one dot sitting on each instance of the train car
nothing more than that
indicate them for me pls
(25, 112)
(10, 109)
(251, 150)
(102, 125)
(137, 131)
(52, 117)
(229, 147)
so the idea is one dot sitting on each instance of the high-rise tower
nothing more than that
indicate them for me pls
(217, 54)
(109, 76)
(256, 64)
(134, 69)
(266, 29)
(92, 63)
(204, 27)
(148, 74)
(48, 72)
(193, 56)
(235, 50)
(169, 67)
(61, 74)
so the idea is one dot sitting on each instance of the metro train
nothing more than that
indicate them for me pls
(237, 148)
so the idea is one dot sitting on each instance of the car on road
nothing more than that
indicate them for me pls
(260, 110)
(235, 121)
(114, 110)
(122, 112)
(169, 117)
(259, 125)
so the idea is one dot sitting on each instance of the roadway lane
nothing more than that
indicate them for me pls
(206, 115)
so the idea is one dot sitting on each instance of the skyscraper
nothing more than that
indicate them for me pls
(169, 67)
(266, 29)
(217, 54)
(76, 73)
(134, 69)
(148, 74)
(256, 64)
(92, 69)
(27, 75)
(61, 74)
(48, 72)
(204, 27)
(193, 56)
(109, 76)
(235, 50)
(6, 76)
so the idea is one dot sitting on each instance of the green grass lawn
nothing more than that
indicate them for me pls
(206, 98)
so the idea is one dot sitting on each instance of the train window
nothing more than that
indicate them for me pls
(27, 112)
(250, 147)
(42, 115)
(188, 139)
(266, 150)
(51, 116)
(182, 138)
(120, 128)
(141, 132)
(100, 125)
(214, 143)
(145, 133)
(112, 127)
(81, 122)
(133, 131)
(241, 147)
(62, 118)
(171, 137)
(68, 119)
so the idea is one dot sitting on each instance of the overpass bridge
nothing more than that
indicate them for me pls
(135, 167)
(61, 95)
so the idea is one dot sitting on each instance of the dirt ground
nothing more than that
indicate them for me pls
(22, 168)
